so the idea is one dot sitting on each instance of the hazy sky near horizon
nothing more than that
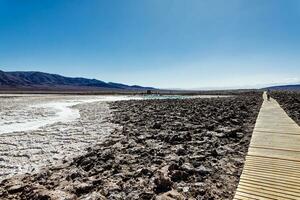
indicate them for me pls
(160, 43)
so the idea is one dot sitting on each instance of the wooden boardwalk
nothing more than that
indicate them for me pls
(272, 167)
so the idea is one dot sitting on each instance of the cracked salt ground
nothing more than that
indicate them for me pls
(26, 152)
(25, 116)
(51, 129)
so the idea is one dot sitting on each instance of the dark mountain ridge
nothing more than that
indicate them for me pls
(45, 81)
(285, 87)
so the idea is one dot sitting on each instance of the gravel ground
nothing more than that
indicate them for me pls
(160, 149)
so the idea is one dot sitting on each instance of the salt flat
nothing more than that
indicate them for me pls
(39, 130)
(43, 130)
(32, 112)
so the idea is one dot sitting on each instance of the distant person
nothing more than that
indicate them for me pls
(268, 95)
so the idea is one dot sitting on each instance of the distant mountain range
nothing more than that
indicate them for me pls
(40, 81)
(32, 80)
(285, 87)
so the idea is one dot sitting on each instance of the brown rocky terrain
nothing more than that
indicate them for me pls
(290, 102)
(162, 149)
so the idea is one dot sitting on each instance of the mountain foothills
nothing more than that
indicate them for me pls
(32, 80)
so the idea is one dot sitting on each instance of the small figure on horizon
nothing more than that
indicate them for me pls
(268, 95)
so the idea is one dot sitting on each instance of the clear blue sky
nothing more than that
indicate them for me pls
(161, 43)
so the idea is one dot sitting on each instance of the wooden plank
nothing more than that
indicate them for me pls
(266, 193)
(274, 169)
(294, 180)
(272, 184)
(272, 166)
(268, 153)
(283, 187)
(248, 194)
(270, 179)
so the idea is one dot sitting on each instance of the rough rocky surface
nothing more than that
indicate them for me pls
(163, 149)
(290, 102)
(27, 151)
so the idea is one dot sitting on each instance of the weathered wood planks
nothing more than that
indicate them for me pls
(272, 167)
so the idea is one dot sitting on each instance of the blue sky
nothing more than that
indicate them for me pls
(162, 43)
